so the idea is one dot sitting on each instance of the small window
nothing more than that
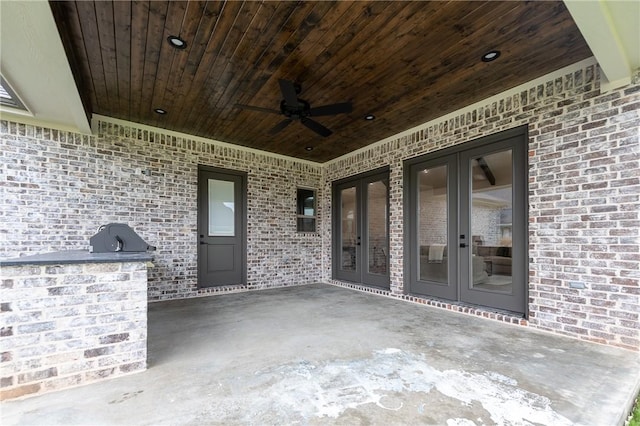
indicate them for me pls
(306, 210)
(8, 97)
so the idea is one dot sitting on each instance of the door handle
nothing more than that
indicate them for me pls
(202, 243)
(463, 245)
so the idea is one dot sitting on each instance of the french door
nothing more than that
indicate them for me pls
(221, 227)
(361, 229)
(467, 216)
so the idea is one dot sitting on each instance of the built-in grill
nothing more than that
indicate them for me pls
(117, 237)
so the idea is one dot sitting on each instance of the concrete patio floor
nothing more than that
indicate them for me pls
(320, 354)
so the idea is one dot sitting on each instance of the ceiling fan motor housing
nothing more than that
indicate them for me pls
(295, 111)
(294, 108)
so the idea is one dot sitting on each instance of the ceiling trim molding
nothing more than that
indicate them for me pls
(34, 61)
(613, 48)
(97, 118)
(502, 95)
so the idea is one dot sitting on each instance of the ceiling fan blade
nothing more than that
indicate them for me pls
(255, 108)
(289, 94)
(316, 127)
(281, 125)
(341, 108)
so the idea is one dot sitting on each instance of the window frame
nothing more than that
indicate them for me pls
(300, 207)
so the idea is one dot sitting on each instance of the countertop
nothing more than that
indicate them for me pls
(77, 256)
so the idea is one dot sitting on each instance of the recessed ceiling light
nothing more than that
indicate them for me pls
(309, 148)
(160, 111)
(491, 55)
(177, 42)
(369, 117)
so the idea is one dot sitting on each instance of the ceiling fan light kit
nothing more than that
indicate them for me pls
(295, 108)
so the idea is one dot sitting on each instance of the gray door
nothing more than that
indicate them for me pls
(433, 222)
(361, 229)
(221, 227)
(493, 217)
(347, 240)
(467, 217)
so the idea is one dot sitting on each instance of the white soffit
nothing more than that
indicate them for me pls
(611, 28)
(33, 61)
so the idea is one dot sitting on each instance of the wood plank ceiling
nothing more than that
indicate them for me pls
(404, 62)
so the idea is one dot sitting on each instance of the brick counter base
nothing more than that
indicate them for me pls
(70, 324)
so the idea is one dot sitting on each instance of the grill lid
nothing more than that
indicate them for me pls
(116, 237)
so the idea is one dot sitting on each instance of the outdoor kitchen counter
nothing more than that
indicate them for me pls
(70, 318)
(77, 256)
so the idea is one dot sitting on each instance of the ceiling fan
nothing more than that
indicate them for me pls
(294, 108)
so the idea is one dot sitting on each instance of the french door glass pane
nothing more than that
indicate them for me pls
(491, 212)
(221, 208)
(432, 224)
(349, 228)
(377, 226)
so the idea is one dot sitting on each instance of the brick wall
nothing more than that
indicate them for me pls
(67, 325)
(584, 199)
(57, 188)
